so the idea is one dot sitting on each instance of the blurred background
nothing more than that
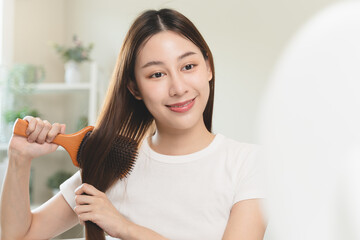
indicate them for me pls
(246, 38)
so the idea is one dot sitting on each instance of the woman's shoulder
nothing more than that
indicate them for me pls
(230, 144)
(239, 153)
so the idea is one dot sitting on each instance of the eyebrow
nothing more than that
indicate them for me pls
(151, 63)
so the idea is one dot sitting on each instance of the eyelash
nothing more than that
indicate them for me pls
(192, 66)
(153, 76)
(162, 74)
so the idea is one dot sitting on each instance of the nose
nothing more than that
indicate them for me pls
(178, 86)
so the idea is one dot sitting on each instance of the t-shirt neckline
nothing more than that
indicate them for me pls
(145, 148)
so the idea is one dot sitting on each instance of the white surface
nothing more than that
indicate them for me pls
(3, 146)
(59, 87)
(311, 132)
(7, 41)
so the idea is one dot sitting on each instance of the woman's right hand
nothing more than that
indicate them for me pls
(40, 134)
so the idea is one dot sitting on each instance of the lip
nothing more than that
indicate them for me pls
(182, 106)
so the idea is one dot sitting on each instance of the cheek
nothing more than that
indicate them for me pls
(204, 89)
(206, 92)
(201, 83)
(152, 93)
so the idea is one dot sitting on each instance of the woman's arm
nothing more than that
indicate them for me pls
(246, 221)
(15, 204)
(51, 219)
(17, 220)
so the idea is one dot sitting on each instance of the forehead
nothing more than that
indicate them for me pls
(165, 44)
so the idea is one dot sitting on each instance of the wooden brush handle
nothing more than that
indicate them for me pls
(71, 142)
(21, 126)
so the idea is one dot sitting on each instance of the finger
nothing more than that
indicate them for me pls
(63, 127)
(54, 131)
(38, 126)
(83, 200)
(88, 217)
(80, 209)
(44, 132)
(31, 124)
(28, 118)
(88, 189)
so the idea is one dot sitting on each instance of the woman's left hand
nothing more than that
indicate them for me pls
(94, 206)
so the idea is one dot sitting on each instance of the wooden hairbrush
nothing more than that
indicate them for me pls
(71, 142)
(121, 157)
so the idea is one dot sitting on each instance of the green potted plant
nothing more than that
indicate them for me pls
(17, 83)
(55, 180)
(10, 117)
(23, 77)
(72, 57)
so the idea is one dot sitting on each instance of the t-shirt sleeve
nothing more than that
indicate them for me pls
(250, 175)
(68, 187)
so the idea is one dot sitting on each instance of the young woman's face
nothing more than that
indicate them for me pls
(173, 80)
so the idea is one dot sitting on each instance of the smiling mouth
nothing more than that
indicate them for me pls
(182, 104)
(182, 107)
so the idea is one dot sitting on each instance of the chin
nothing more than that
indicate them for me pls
(184, 124)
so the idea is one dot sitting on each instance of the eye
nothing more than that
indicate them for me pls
(189, 67)
(157, 75)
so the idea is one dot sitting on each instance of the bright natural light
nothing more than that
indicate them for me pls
(1, 32)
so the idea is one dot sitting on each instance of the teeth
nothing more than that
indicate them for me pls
(182, 105)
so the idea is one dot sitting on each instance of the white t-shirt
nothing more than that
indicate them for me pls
(189, 196)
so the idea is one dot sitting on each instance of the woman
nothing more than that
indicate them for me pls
(187, 183)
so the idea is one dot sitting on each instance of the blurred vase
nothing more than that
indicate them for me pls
(72, 72)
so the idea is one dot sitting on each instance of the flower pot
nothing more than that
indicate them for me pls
(72, 72)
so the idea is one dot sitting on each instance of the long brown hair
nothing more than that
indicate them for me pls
(124, 115)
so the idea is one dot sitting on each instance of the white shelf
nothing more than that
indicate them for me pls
(53, 88)
(4, 147)
(60, 87)
(90, 86)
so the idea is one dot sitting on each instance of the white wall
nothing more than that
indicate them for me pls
(245, 36)
(37, 24)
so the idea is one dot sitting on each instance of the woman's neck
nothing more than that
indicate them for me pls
(180, 142)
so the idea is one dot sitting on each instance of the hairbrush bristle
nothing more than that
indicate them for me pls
(121, 157)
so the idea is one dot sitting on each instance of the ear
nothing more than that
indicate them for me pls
(209, 70)
(134, 90)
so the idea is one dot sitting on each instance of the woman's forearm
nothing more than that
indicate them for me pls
(16, 216)
(15, 200)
